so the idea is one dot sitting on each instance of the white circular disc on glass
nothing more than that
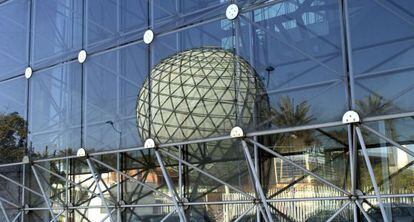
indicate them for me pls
(28, 72)
(81, 152)
(82, 56)
(232, 11)
(148, 36)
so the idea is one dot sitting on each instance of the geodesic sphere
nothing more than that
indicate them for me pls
(198, 93)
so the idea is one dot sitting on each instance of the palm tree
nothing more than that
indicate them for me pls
(288, 114)
(373, 105)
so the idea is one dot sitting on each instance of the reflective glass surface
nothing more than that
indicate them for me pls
(55, 110)
(112, 81)
(13, 131)
(321, 151)
(14, 36)
(381, 58)
(113, 22)
(57, 31)
(179, 13)
(212, 119)
(297, 52)
(212, 34)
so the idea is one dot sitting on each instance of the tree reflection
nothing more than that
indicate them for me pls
(373, 105)
(13, 137)
(393, 170)
(289, 114)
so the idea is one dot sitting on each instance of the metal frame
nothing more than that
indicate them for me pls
(264, 204)
(171, 189)
(371, 174)
(256, 184)
(97, 179)
(350, 197)
(45, 197)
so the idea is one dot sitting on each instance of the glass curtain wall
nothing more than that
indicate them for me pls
(74, 134)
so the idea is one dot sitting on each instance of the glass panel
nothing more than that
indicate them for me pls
(296, 50)
(381, 58)
(178, 106)
(223, 160)
(42, 215)
(144, 167)
(222, 212)
(144, 214)
(8, 190)
(57, 31)
(112, 83)
(50, 175)
(321, 151)
(111, 22)
(246, 4)
(11, 213)
(13, 124)
(177, 13)
(213, 34)
(279, 64)
(14, 37)
(393, 168)
(312, 211)
(397, 209)
(86, 190)
(55, 110)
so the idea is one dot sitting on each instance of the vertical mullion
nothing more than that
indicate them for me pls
(83, 76)
(66, 161)
(349, 75)
(29, 57)
(118, 112)
(72, 168)
(348, 52)
(97, 180)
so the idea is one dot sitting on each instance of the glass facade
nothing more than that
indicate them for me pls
(248, 114)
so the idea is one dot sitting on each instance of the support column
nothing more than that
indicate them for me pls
(23, 193)
(371, 174)
(353, 154)
(4, 211)
(170, 186)
(256, 182)
(96, 179)
(150, 143)
(46, 199)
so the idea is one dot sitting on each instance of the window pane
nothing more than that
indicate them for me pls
(111, 22)
(55, 110)
(13, 131)
(296, 50)
(198, 56)
(322, 151)
(57, 31)
(13, 37)
(393, 167)
(382, 57)
(113, 81)
(177, 13)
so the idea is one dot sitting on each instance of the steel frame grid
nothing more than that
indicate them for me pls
(353, 132)
(351, 199)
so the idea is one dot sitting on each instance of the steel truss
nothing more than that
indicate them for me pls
(98, 189)
(351, 198)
